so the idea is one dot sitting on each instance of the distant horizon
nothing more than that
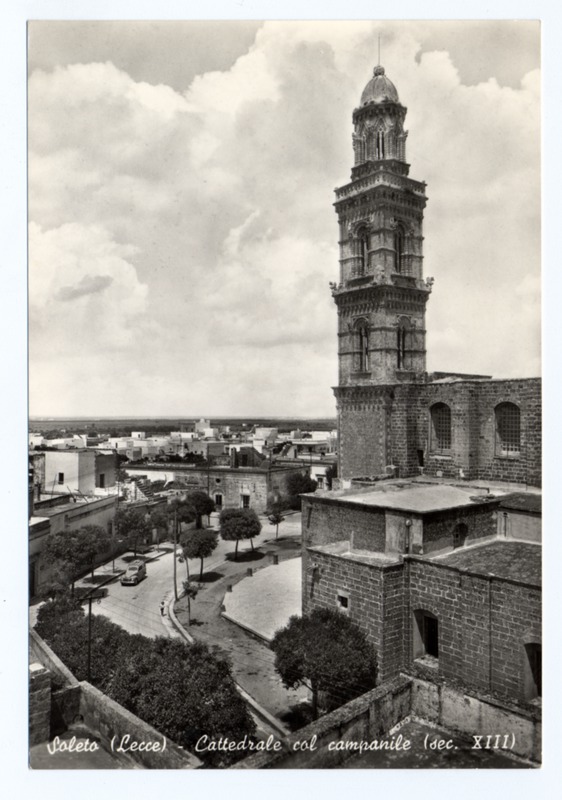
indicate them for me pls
(39, 418)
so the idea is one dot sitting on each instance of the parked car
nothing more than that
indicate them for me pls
(135, 572)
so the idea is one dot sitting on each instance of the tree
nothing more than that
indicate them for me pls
(63, 550)
(191, 592)
(237, 524)
(133, 527)
(275, 517)
(160, 521)
(298, 484)
(199, 544)
(327, 652)
(202, 504)
(92, 541)
(184, 692)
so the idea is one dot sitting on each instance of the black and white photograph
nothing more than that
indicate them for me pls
(284, 394)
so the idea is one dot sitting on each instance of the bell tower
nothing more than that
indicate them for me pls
(381, 295)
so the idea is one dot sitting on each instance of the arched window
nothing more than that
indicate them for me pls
(440, 435)
(362, 250)
(379, 145)
(459, 535)
(401, 348)
(362, 346)
(399, 249)
(508, 429)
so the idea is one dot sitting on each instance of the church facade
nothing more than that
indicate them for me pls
(391, 412)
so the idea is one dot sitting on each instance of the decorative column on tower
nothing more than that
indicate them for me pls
(381, 295)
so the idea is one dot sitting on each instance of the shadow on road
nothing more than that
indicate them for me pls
(210, 577)
(249, 555)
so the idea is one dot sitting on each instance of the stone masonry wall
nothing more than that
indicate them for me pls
(515, 621)
(438, 528)
(325, 523)
(484, 623)
(39, 704)
(393, 427)
(361, 582)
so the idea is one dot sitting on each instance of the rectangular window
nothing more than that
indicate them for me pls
(426, 635)
(60, 480)
(342, 600)
(245, 500)
(431, 636)
(102, 480)
(218, 500)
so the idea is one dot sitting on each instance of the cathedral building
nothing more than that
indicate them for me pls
(431, 542)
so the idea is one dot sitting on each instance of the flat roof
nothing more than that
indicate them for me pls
(518, 561)
(417, 499)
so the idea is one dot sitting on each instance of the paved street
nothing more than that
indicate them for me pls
(137, 608)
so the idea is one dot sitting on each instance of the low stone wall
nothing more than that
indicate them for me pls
(367, 717)
(80, 703)
(40, 650)
(474, 715)
(113, 724)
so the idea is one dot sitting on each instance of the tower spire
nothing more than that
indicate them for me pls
(379, 61)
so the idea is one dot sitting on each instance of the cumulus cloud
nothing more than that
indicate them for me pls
(197, 228)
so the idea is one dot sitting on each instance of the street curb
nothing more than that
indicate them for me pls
(261, 712)
(176, 623)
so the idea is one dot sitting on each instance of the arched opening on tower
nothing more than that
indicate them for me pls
(399, 249)
(379, 145)
(362, 346)
(362, 250)
(402, 342)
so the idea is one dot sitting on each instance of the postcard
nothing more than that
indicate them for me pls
(284, 394)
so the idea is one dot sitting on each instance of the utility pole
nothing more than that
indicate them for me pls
(89, 670)
(98, 598)
(115, 521)
(175, 553)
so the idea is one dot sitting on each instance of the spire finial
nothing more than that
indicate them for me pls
(379, 61)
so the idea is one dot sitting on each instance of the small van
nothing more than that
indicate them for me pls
(136, 571)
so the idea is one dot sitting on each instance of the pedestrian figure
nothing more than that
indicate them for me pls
(162, 608)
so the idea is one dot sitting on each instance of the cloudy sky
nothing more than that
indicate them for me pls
(182, 235)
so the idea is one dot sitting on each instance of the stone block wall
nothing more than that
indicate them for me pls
(328, 522)
(39, 704)
(362, 583)
(484, 624)
(438, 528)
(391, 425)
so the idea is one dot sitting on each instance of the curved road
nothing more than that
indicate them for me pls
(137, 608)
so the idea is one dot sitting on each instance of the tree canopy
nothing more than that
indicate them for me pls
(183, 691)
(133, 527)
(327, 652)
(202, 504)
(199, 544)
(72, 551)
(298, 484)
(237, 524)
